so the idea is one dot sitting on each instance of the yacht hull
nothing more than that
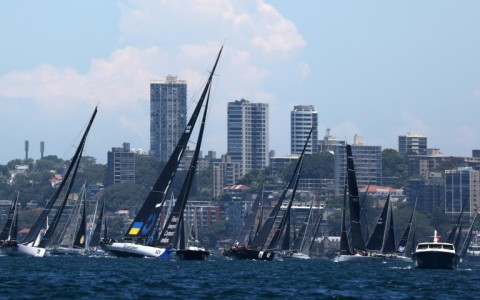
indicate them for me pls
(248, 254)
(356, 258)
(24, 250)
(435, 260)
(188, 254)
(300, 255)
(136, 250)
(65, 251)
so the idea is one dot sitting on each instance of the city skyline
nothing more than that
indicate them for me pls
(378, 70)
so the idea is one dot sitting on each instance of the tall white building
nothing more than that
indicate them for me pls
(302, 119)
(168, 115)
(248, 140)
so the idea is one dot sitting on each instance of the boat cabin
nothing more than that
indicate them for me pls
(428, 246)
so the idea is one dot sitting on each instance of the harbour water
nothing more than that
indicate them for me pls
(222, 278)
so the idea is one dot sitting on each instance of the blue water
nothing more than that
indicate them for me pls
(221, 278)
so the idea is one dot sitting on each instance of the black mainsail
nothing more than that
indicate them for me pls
(286, 236)
(358, 244)
(388, 245)
(9, 231)
(311, 240)
(51, 229)
(299, 241)
(344, 244)
(468, 239)
(363, 210)
(376, 239)
(262, 236)
(451, 237)
(80, 241)
(246, 232)
(402, 245)
(147, 217)
(171, 227)
(96, 236)
(286, 216)
(37, 227)
(458, 238)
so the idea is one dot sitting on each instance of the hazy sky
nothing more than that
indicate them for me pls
(373, 68)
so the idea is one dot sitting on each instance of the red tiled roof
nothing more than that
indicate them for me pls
(375, 188)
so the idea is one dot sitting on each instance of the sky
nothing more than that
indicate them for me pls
(378, 69)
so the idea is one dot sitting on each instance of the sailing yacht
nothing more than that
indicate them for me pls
(356, 250)
(189, 247)
(35, 242)
(8, 236)
(141, 238)
(303, 243)
(96, 242)
(470, 251)
(74, 241)
(382, 241)
(255, 250)
(402, 253)
(173, 228)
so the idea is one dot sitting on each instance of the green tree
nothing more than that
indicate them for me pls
(394, 165)
(212, 234)
(11, 164)
(49, 163)
(125, 196)
(91, 174)
(147, 170)
(203, 182)
(4, 171)
(441, 222)
(318, 165)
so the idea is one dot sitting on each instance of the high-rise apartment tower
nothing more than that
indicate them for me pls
(248, 134)
(302, 119)
(120, 165)
(168, 115)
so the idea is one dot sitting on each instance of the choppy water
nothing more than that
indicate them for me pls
(221, 278)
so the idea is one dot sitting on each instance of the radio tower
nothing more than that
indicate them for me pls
(26, 150)
(42, 148)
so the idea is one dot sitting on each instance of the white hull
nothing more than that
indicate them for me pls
(300, 255)
(24, 250)
(96, 252)
(65, 251)
(136, 250)
(355, 258)
(404, 259)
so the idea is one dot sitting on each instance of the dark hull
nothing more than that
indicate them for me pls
(248, 254)
(435, 260)
(192, 254)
